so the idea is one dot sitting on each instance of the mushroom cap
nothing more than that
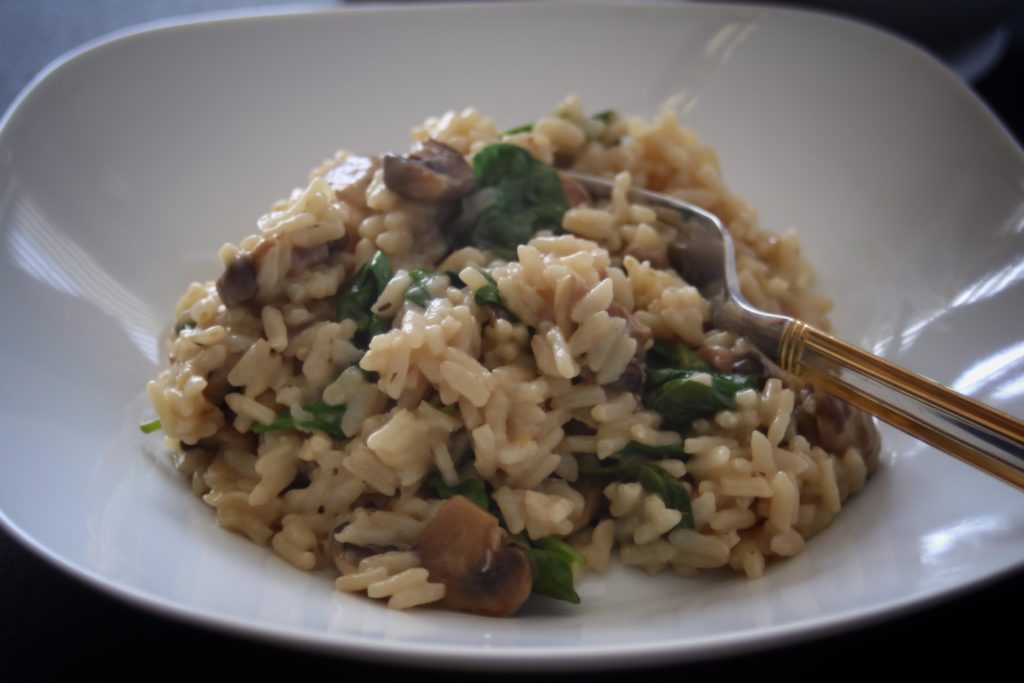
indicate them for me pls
(433, 172)
(350, 177)
(836, 425)
(238, 285)
(464, 548)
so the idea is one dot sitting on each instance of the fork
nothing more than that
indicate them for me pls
(967, 429)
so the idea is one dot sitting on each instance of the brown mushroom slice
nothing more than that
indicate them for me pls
(464, 548)
(350, 178)
(835, 425)
(307, 258)
(237, 285)
(433, 172)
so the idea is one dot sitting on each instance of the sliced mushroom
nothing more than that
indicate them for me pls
(464, 548)
(835, 425)
(305, 258)
(350, 178)
(237, 285)
(433, 172)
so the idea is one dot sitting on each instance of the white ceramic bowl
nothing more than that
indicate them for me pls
(124, 167)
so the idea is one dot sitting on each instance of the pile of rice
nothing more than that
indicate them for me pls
(466, 394)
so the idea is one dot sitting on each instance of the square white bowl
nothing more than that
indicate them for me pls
(124, 167)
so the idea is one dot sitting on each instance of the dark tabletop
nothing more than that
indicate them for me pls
(51, 624)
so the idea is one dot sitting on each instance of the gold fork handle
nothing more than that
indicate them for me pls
(977, 434)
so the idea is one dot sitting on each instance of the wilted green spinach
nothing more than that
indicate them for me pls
(358, 298)
(322, 417)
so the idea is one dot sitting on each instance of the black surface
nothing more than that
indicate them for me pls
(52, 625)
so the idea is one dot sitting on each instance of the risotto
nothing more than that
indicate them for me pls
(456, 378)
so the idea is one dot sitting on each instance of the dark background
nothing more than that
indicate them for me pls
(52, 625)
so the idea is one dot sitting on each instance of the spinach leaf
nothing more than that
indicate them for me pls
(656, 377)
(560, 548)
(665, 486)
(607, 117)
(681, 399)
(151, 426)
(472, 489)
(184, 325)
(523, 197)
(360, 295)
(490, 295)
(632, 463)
(322, 417)
(417, 291)
(671, 388)
(635, 449)
(552, 576)
(551, 561)
(663, 355)
(525, 128)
